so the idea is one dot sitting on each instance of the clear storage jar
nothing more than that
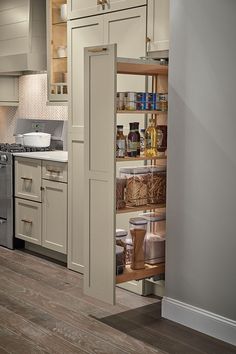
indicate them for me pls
(154, 243)
(156, 185)
(136, 185)
(120, 192)
(138, 229)
(120, 260)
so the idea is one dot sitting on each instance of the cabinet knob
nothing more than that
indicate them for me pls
(148, 39)
(42, 188)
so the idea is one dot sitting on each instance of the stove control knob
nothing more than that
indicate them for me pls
(4, 158)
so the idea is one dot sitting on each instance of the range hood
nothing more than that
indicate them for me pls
(22, 36)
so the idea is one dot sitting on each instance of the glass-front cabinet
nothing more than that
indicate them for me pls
(57, 50)
(125, 171)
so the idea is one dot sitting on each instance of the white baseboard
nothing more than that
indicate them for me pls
(201, 320)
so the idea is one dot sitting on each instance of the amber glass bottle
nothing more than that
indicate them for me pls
(151, 139)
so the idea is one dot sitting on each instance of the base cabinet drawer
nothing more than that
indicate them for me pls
(28, 179)
(54, 171)
(28, 220)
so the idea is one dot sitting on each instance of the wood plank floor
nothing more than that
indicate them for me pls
(43, 310)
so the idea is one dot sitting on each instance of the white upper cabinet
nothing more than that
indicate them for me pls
(9, 91)
(83, 8)
(158, 25)
(22, 35)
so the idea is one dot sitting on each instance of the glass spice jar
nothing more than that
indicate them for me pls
(120, 142)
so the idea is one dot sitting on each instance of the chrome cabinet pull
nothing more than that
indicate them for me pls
(3, 221)
(97, 50)
(27, 178)
(27, 221)
(53, 170)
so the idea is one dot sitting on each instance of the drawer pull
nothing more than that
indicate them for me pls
(98, 50)
(27, 179)
(27, 221)
(53, 170)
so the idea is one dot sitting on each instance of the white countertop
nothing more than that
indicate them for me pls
(59, 156)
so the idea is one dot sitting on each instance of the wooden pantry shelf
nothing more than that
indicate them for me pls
(140, 112)
(133, 209)
(140, 67)
(131, 274)
(140, 158)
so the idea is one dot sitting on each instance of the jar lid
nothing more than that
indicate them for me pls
(119, 249)
(121, 233)
(134, 170)
(154, 216)
(138, 221)
(157, 169)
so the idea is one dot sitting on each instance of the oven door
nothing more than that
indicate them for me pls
(6, 206)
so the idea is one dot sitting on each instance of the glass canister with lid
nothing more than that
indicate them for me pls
(138, 229)
(136, 185)
(156, 185)
(154, 242)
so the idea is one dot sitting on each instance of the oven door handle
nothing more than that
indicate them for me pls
(2, 221)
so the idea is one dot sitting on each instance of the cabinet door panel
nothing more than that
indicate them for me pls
(128, 30)
(28, 221)
(75, 204)
(54, 217)
(83, 8)
(9, 90)
(158, 25)
(82, 33)
(99, 175)
(28, 179)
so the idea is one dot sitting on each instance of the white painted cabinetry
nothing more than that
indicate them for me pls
(54, 216)
(102, 68)
(9, 91)
(158, 25)
(41, 203)
(128, 29)
(83, 8)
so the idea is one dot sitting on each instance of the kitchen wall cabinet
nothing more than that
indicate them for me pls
(41, 203)
(56, 52)
(158, 25)
(102, 67)
(84, 8)
(9, 91)
(124, 28)
(22, 35)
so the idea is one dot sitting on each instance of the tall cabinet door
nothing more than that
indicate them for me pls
(82, 33)
(100, 101)
(158, 25)
(128, 30)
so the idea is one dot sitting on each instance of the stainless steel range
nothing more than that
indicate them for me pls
(58, 129)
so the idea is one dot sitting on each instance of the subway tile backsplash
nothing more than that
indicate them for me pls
(32, 105)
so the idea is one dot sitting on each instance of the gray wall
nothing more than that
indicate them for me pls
(201, 247)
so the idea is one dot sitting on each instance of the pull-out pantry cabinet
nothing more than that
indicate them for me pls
(84, 8)
(128, 29)
(102, 68)
(41, 203)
